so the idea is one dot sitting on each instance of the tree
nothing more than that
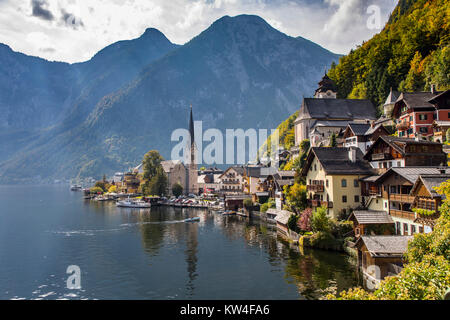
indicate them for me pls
(151, 163)
(96, 190)
(112, 189)
(157, 185)
(177, 190)
(304, 221)
(296, 196)
(447, 135)
(320, 220)
(102, 185)
(333, 142)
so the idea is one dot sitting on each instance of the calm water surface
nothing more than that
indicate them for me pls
(151, 254)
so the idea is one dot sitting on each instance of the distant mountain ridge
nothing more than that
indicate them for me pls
(238, 73)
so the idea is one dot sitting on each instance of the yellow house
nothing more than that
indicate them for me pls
(333, 178)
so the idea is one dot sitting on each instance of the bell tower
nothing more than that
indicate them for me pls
(191, 161)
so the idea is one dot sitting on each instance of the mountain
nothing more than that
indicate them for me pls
(239, 73)
(409, 54)
(36, 94)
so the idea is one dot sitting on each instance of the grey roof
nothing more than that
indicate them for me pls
(435, 98)
(288, 173)
(386, 246)
(371, 217)
(412, 173)
(359, 129)
(371, 178)
(283, 216)
(417, 99)
(432, 181)
(336, 161)
(342, 109)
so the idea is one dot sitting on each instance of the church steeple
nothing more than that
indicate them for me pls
(327, 88)
(191, 127)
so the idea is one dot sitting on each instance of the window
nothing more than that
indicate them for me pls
(420, 229)
(315, 167)
(327, 183)
(423, 130)
(356, 199)
(423, 117)
(344, 199)
(399, 164)
(398, 228)
(448, 115)
(413, 229)
(405, 229)
(410, 118)
(385, 205)
(344, 183)
(434, 116)
(356, 183)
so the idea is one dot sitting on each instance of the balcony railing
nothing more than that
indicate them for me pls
(381, 156)
(315, 187)
(404, 198)
(403, 214)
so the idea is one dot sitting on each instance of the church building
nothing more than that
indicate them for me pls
(191, 160)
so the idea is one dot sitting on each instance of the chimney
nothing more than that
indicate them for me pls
(433, 88)
(372, 124)
(352, 155)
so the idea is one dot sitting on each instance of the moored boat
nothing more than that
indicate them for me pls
(195, 219)
(133, 203)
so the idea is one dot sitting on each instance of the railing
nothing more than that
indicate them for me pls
(403, 214)
(315, 187)
(401, 198)
(381, 156)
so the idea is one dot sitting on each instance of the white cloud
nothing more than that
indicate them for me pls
(79, 30)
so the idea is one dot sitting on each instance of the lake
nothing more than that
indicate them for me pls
(151, 254)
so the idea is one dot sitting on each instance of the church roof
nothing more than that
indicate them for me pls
(392, 97)
(339, 109)
(326, 84)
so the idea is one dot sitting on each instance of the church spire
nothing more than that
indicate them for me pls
(191, 127)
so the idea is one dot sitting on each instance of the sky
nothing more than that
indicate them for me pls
(74, 30)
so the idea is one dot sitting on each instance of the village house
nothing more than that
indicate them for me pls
(363, 135)
(274, 186)
(381, 256)
(324, 115)
(333, 178)
(391, 152)
(394, 191)
(441, 124)
(208, 183)
(426, 199)
(232, 180)
(282, 219)
(414, 114)
(370, 222)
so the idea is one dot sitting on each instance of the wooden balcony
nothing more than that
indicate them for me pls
(318, 203)
(403, 214)
(381, 156)
(403, 198)
(403, 125)
(315, 187)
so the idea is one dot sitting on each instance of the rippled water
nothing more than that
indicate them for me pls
(151, 254)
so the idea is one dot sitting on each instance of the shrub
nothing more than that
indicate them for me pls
(112, 189)
(325, 240)
(177, 190)
(264, 207)
(339, 229)
(248, 203)
(96, 190)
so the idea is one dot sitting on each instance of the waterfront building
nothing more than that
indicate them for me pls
(371, 222)
(381, 256)
(333, 178)
(176, 172)
(391, 152)
(232, 180)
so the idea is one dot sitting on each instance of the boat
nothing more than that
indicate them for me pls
(196, 219)
(76, 187)
(131, 203)
(228, 213)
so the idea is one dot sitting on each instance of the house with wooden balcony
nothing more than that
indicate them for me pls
(396, 187)
(393, 152)
(363, 135)
(232, 181)
(426, 199)
(333, 178)
(381, 256)
(414, 114)
(441, 124)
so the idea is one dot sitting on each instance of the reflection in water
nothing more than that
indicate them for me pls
(152, 254)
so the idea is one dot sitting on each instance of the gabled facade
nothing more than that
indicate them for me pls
(333, 178)
(363, 135)
(392, 152)
(232, 181)
(414, 114)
